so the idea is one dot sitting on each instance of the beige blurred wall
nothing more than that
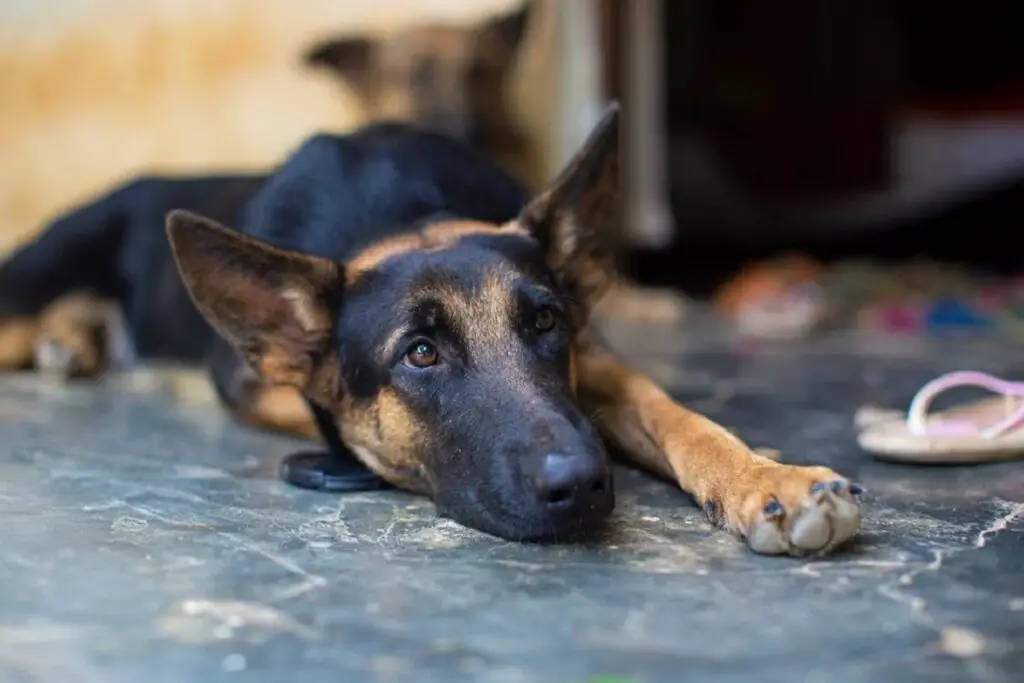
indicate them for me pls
(92, 91)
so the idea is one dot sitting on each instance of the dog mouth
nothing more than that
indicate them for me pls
(547, 524)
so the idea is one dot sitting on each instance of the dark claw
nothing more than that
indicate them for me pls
(711, 511)
(856, 489)
(838, 485)
(773, 509)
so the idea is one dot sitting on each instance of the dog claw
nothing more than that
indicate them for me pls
(773, 509)
(711, 511)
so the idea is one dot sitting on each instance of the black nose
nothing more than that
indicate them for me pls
(572, 481)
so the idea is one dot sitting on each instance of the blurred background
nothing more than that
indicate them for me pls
(799, 164)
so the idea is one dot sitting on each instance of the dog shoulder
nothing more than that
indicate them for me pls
(337, 194)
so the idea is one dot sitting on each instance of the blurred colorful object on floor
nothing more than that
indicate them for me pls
(893, 318)
(951, 315)
(777, 299)
(795, 295)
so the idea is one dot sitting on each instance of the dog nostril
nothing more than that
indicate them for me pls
(570, 480)
(557, 496)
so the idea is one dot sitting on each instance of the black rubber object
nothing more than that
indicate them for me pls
(335, 470)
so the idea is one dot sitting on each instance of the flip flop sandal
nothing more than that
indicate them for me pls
(989, 430)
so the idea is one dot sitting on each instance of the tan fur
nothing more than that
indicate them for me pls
(437, 236)
(378, 252)
(445, 233)
(17, 342)
(282, 409)
(386, 437)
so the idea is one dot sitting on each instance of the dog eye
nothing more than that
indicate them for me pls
(544, 320)
(422, 354)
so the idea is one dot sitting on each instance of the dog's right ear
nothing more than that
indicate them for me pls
(277, 307)
(348, 58)
(508, 30)
(576, 218)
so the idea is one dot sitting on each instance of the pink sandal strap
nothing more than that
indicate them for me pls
(917, 421)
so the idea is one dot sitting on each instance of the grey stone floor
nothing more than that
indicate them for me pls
(144, 537)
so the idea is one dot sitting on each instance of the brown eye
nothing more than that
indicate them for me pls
(422, 355)
(544, 320)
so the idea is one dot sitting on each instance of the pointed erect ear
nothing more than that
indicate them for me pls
(276, 307)
(576, 218)
(347, 58)
(507, 31)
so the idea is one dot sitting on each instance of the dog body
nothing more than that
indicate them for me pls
(409, 287)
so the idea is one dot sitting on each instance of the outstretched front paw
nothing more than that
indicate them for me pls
(785, 509)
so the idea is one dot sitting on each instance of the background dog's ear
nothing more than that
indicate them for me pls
(276, 307)
(348, 58)
(576, 218)
(508, 30)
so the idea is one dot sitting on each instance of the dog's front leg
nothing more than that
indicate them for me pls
(777, 508)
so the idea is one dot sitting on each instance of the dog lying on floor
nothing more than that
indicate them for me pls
(453, 79)
(408, 286)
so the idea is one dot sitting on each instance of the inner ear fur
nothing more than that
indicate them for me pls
(508, 29)
(276, 307)
(349, 59)
(576, 218)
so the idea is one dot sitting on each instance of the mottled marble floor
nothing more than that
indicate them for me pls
(145, 538)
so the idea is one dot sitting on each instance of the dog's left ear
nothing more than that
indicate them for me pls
(276, 307)
(576, 218)
(348, 58)
(508, 30)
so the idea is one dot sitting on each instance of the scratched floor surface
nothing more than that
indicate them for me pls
(143, 537)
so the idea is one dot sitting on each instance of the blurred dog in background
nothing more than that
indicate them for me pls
(455, 79)
(448, 78)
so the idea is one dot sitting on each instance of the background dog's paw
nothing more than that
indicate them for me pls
(68, 358)
(783, 509)
(80, 337)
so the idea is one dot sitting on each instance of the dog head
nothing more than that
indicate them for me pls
(445, 354)
(446, 78)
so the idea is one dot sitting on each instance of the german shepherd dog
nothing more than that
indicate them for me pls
(409, 287)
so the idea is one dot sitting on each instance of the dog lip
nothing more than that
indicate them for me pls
(571, 527)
